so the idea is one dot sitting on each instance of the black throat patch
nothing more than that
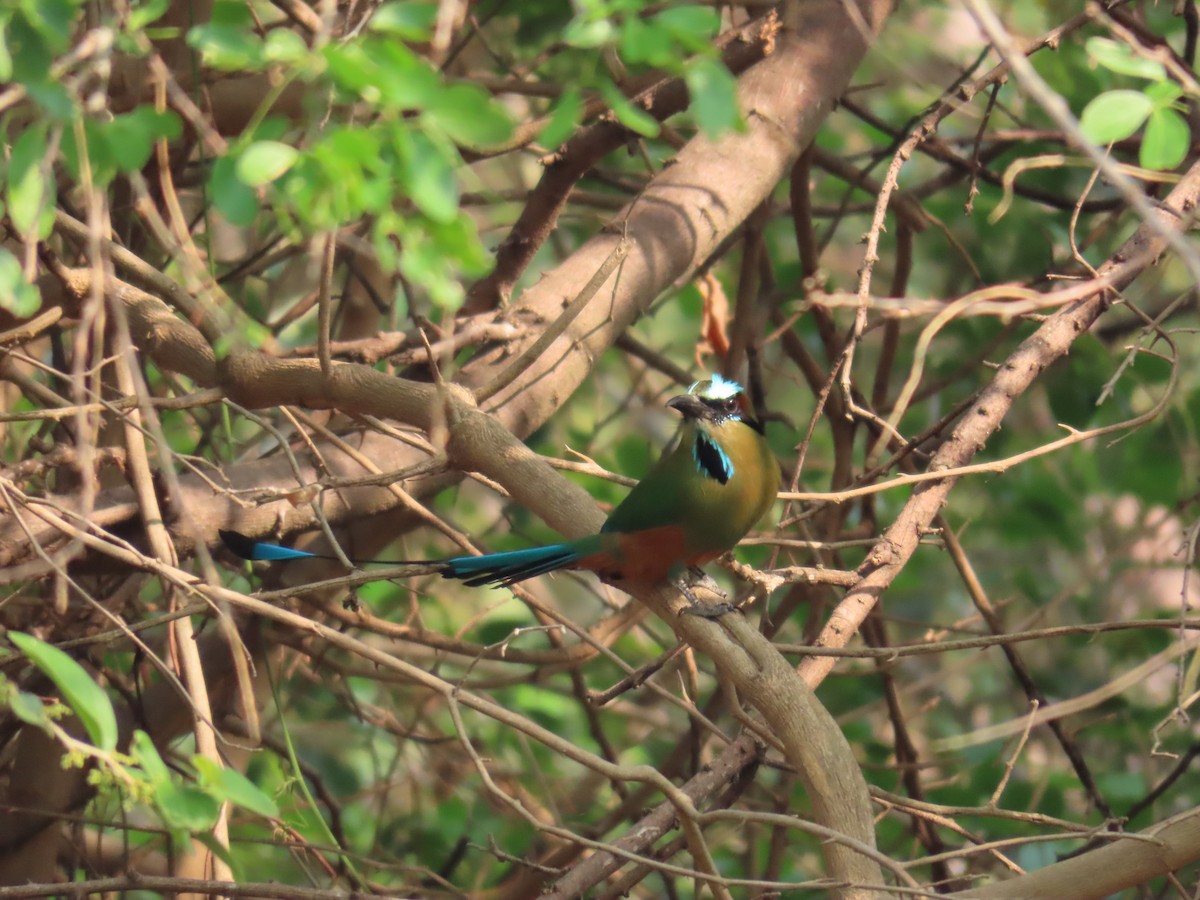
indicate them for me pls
(711, 459)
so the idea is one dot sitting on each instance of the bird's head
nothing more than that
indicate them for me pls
(715, 400)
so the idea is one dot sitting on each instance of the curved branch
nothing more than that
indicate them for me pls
(1159, 850)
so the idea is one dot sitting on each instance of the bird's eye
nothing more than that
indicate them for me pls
(732, 405)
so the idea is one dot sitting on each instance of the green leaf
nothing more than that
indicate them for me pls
(54, 99)
(1115, 115)
(28, 708)
(31, 56)
(588, 35)
(385, 73)
(565, 118)
(233, 14)
(232, 198)
(1120, 58)
(264, 161)
(52, 19)
(714, 96)
(458, 241)
(6, 60)
(17, 295)
(230, 784)
(428, 177)
(632, 117)
(145, 12)
(229, 40)
(86, 698)
(692, 26)
(284, 46)
(648, 43)
(1166, 141)
(132, 135)
(407, 21)
(1163, 93)
(350, 68)
(145, 754)
(186, 807)
(432, 251)
(97, 149)
(468, 116)
(30, 192)
(226, 48)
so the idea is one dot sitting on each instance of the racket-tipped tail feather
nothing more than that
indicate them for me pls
(246, 547)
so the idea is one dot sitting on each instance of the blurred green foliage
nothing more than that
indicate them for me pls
(414, 154)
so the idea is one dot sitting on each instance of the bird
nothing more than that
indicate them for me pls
(712, 484)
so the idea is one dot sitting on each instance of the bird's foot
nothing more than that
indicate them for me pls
(697, 608)
(708, 610)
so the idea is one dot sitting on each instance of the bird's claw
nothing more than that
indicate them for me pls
(708, 610)
(704, 610)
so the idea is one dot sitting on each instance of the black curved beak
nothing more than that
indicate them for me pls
(689, 406)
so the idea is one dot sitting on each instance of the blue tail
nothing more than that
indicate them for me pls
(248, 548)
(499, 569)
(504, 569)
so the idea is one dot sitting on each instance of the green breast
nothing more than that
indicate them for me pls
(678, 491)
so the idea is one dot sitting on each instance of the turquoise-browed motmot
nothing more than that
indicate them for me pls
(714, 482)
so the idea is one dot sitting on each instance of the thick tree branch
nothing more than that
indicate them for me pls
(1157, 851)
(583, 151)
